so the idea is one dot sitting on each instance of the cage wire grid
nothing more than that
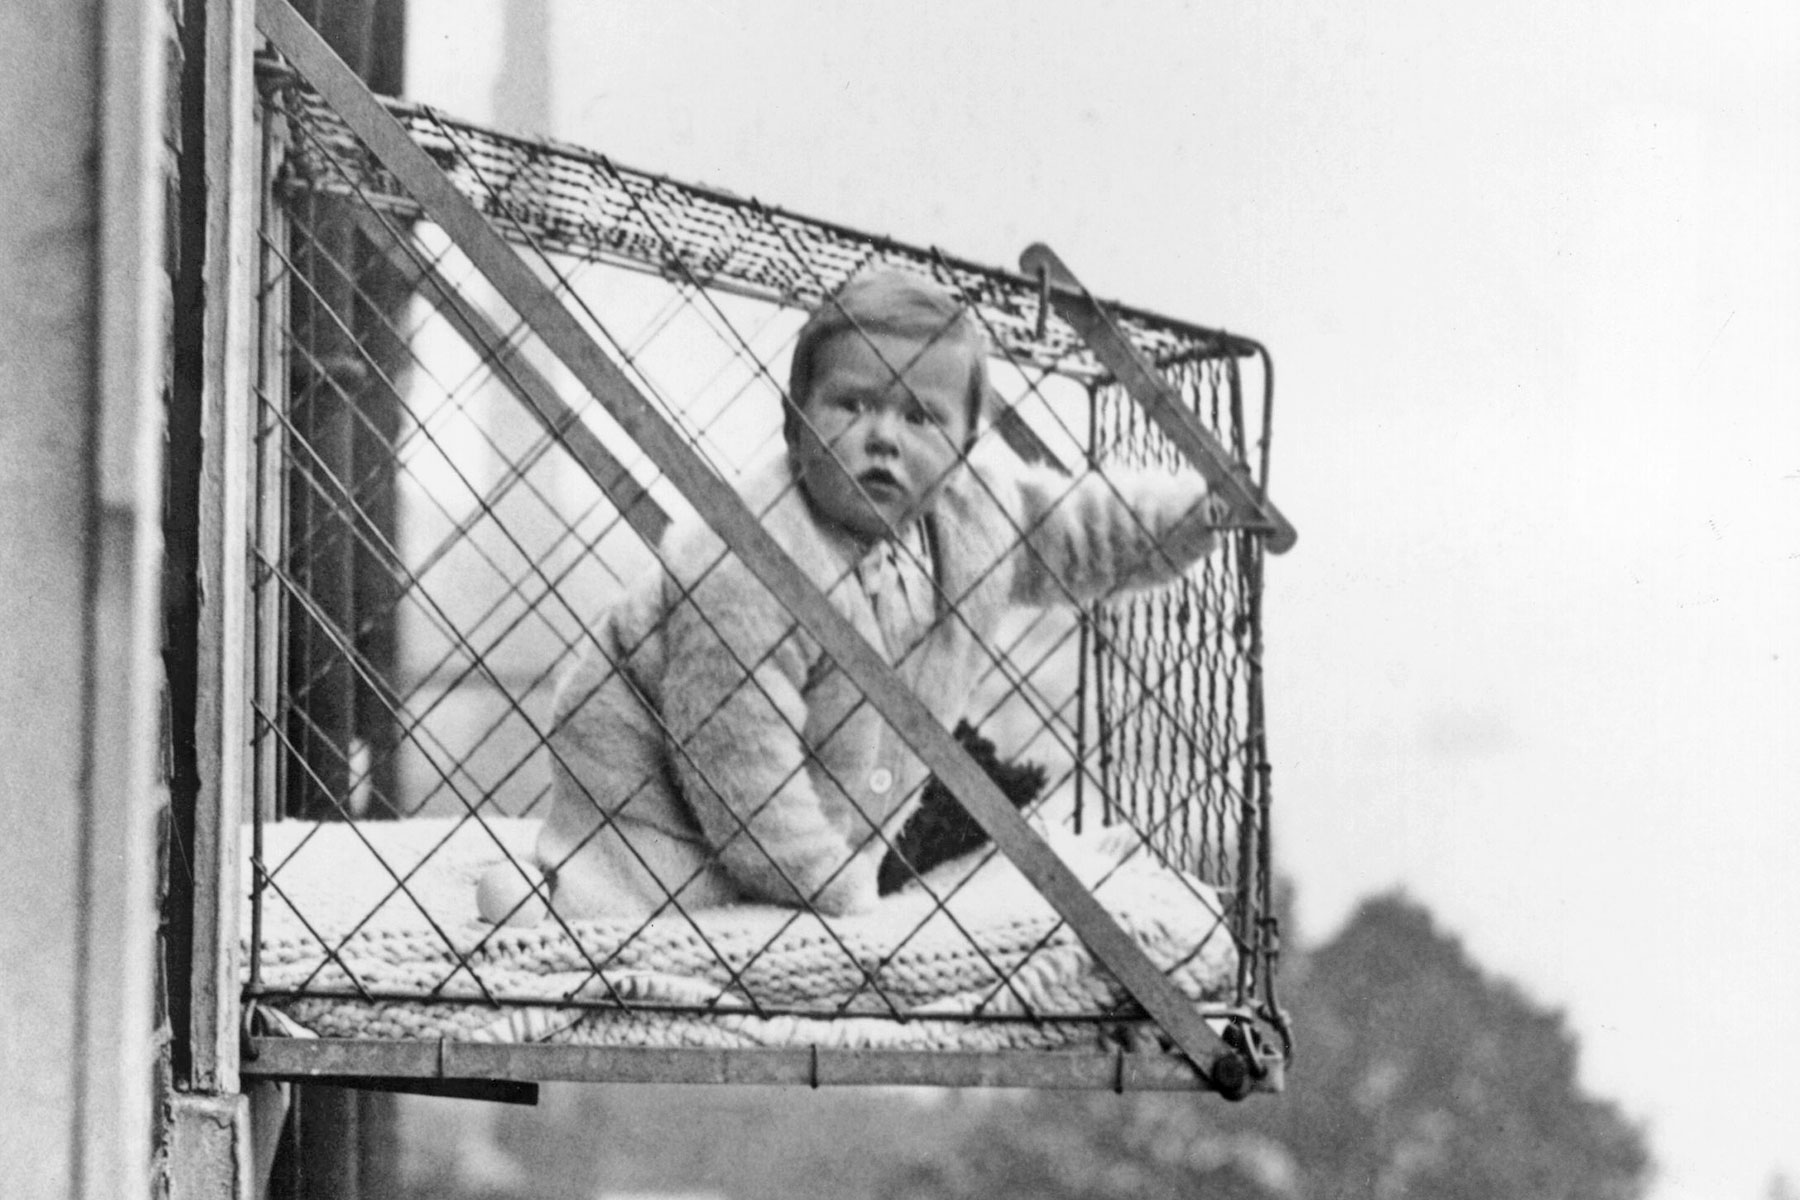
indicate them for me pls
(440, 523)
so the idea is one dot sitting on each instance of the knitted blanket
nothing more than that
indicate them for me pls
(370, 930)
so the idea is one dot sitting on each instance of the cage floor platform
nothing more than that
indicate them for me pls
(369, 934)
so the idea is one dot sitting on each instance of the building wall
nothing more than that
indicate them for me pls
(80, 353)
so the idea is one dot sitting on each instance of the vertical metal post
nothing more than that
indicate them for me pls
(270, 437)
(1094, 632)
(1086, 649)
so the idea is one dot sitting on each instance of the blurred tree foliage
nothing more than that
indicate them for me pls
(1417, 1076)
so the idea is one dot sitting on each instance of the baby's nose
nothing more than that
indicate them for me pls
(883, 428)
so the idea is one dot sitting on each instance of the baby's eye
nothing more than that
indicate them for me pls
(918, 416)
(850, 402)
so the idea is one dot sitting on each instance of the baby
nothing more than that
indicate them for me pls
(704, 748)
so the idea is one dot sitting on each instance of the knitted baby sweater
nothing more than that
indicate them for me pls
(706, 750)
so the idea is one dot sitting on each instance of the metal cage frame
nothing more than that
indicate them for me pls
(1039, 315)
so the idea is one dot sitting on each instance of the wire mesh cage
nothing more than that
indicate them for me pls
(449, 524)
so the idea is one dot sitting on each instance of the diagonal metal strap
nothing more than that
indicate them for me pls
(728, 516)
(1154, 394)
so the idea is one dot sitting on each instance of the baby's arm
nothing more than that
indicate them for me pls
(1091, 537)
(733, 700)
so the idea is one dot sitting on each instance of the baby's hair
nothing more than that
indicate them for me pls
(892, 302)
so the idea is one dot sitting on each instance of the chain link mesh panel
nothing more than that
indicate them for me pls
(446, 522)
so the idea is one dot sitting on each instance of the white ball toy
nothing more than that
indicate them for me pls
(509, 895)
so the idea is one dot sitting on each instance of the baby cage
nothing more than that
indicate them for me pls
(492, 373)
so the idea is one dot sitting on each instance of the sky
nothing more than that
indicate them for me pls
(1531, 278)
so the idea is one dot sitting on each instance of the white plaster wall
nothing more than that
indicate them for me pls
(76, 772)
(47, 269)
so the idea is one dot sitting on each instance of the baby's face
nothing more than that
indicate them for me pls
(884, 425)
